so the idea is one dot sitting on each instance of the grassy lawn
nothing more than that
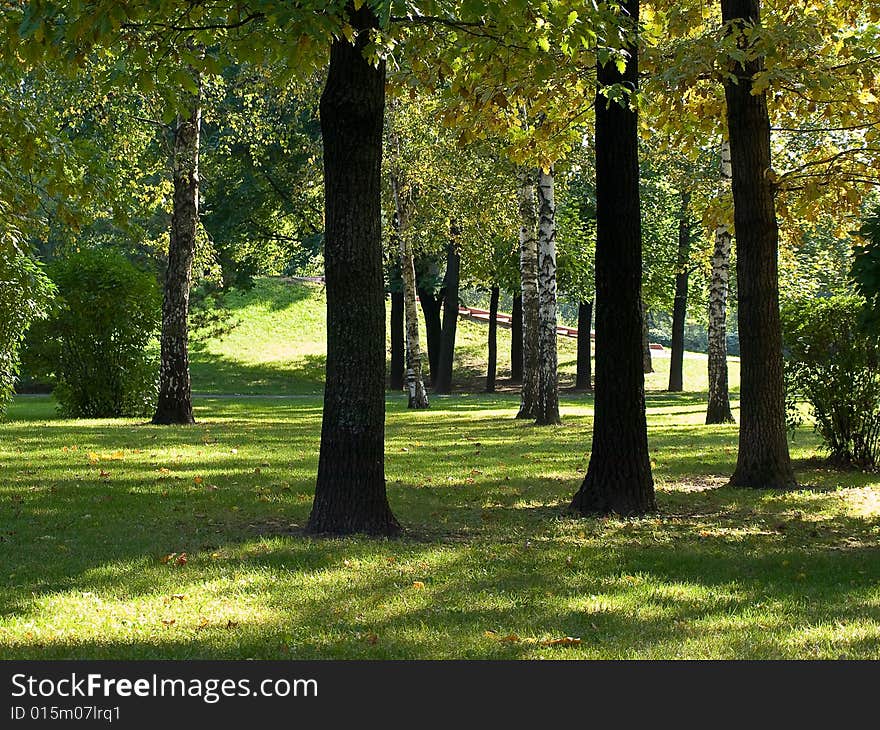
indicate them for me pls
(94, 516)
(278, 347)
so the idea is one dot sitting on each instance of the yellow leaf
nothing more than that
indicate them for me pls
(418, 585)
(564, 641)
(198, 480)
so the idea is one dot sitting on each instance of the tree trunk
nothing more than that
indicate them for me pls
(431, 305)
(493, 339)
(443, 382)
(350, 491)
(397, 344)
(763, 459)
(418, 397)
(584, 377)
(175, 391)
(528, 269)
(679, 307)
(619, 477)
(718, 408)
(516, 340)
(547, 402)
(647, 363)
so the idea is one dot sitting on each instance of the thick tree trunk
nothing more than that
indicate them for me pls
(350, 491)
(679, 307)
(547, 402)
(493, 339)
(443, 381)
(431, 306)
(418, 397)
(175, 391)
(718, 408)
(647, 362)
(516, 340)
(528, 270)
(619, 477)
(584, 376)
(763, 459)
(397, 342)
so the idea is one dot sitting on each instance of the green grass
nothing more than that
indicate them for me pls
(278, 347)
(489, 553)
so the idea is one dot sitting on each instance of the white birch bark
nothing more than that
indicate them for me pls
(547, 407)
(415, 385)
(718, 408)
(528, 268)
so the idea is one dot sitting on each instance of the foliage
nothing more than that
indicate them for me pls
(834, 364)
(95, 340)
(24, 291)
(866, 268)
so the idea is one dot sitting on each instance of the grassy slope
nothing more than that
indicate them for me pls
(278, 348)
(490, 553)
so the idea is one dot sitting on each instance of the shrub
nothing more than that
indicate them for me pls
(96, 338)
(833, 363)
(24, 291)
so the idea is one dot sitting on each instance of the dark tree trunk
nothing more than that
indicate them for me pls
(350, 492)
(679, 307)
(443, 381)
(516, 340)
(647, 363)
(493, 339)
(584, 377)
(763, 459)
(619, 477)
(397, 346)
(431, 305)
(175, 391)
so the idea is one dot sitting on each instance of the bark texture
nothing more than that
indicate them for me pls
(174, 405)
(547, 402)
(528, 271)
(397, 342)
(415, 385)
(718, 407)
(494, 295)
(618, 479)
(763, 459)
(584, 376)
(679, 306)
(516, 339)
(443, 381)
(432, 305)
(647, 362)
(350, 492)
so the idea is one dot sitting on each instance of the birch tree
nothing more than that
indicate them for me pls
(547, 401)
(718, 407)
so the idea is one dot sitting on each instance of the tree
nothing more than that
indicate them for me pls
(528, 266)
(443, 381)
(547, 401)
(618, 478)
(350, 491)
(175, 392)
(763, 459)
(679, 312)
(718, 407)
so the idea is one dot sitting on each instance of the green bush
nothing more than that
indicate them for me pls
(24, 291)
(833, 363)
(94, 343)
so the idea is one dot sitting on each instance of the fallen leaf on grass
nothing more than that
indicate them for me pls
(181, 559)
(564, 641)
(178, 596)
(418, 585)
(169, 621)
(198, 480)
(105, 474)
(372, 638)
(230, 624)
